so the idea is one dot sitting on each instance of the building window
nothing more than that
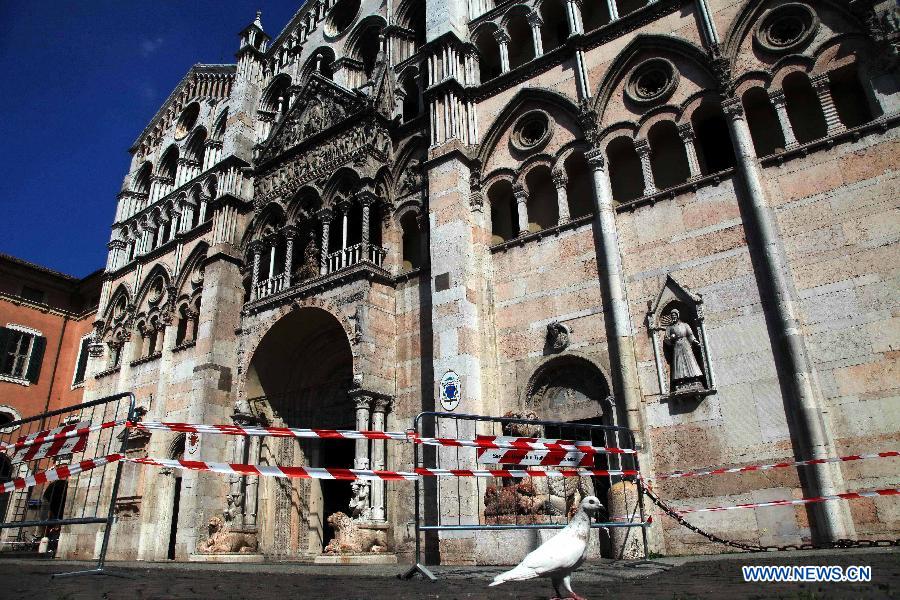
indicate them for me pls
(21, 353)
(33, 294)
(81, 365)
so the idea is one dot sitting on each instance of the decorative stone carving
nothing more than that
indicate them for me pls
(786, 27)
(223, 541)
(558, 336)
(675, 324)
(652, 81)
(350, 537)
(360, 509)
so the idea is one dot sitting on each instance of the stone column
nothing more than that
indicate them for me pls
(273, 244)
(535, 21)
(256, 248)
(609, 259)
(379, 448)
(613, 10)
(290, 233)
(344, 207)
(642, 147)
(832, 520)
(780, 104)
(573, 12)
(560, 180)
(114, 261)
(521, 195)
(503, 40)
(823, 91)
(325, 216)
(363, 409)
(686, 133)
(366, 199)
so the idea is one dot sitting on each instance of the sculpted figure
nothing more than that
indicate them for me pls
(350, 538)
(222, 541)
(680, 338)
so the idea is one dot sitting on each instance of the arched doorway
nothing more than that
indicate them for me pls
(176, 452)
(574, 391)
(300, 376)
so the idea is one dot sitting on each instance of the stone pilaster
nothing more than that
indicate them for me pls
(380, 407)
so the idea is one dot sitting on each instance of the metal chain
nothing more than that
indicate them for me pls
(757, 548)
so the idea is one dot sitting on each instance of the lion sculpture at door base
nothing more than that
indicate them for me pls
(222, 541)
(350, 538)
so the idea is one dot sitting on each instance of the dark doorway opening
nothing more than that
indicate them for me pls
(173, 528)
(336, 494)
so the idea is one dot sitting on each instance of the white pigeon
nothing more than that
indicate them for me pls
(559, 556)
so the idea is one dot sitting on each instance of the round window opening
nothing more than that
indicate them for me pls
(119, 310)
(532, 130)
(156, 290)
(786, 27)
(187, 120)
(653, 80)
(341, 17)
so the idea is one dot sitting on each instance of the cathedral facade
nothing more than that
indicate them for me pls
(676, 216)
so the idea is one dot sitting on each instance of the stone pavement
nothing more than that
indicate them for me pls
(680, 578)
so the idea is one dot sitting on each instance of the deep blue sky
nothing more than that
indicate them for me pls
(81, 80)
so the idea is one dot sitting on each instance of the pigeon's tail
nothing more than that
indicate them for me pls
(517, 574)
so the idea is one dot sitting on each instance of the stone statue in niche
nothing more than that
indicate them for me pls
(684, 371)
(359, 501)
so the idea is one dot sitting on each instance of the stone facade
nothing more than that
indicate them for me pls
(520, 192)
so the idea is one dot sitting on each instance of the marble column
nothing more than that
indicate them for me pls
(686, 133)
(573, 13)
(521, 195)
(344, 207)
(256, 248)
(366, 199)
(363, 404)
(821, 85)
(380, 408)
(831, 521)
(325, 216)
(536, 22)
(642, 147)
(503, 41)
(613, 10)
(560, 180)
(787, 130)
(290, 233)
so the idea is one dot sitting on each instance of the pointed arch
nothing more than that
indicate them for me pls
(121, 291)
(158, 270)
(195, 259)
(658, 45)
(506, 117)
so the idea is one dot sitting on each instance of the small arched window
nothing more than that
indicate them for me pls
(763, 122)
(804, 110)
(594, 15)
(504, 215)
(579, 186)
(488, 55)
(412, 242)
(521, 44)
(712, 140)
(625, 173)
(555, 29)
(668, 158)
(850, 98)
(543, 208)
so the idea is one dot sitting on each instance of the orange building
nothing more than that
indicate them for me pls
(45, 326)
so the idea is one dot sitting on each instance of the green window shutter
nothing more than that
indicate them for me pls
(82, 361)
(5, 335)
(37, 357)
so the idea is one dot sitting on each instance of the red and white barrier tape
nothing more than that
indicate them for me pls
(799, 463)
(58, 473)
(59, 433)
(845, 496)
(498, 442)
(355, 474)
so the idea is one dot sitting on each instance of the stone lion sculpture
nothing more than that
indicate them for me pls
(350, 538)
(222, 541)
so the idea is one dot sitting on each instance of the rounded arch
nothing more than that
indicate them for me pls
(8, 414)
(168, 164)
(219, 126)
(276, 98)
(141, 181)
(158, 270)
(655, 44)
(304, 204)
(194, 261)
(508, 115)
(194, 147)
(342, 184)
(121, 292)
(272, 217)
(488, 51)
(364, 43)
(320, 62)
(571, 386)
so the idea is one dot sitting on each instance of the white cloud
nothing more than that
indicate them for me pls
(148, 46)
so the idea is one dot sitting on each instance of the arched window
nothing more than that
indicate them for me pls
(152, 336)
(804, 110)
(555, 29)
(196, 146)
(579, 187)
(521, 43)
(366, 48)
(712, 140)
(667, 155)
(168, 166)
(488, 55)
(195, 318)
(543, 208)
(320, 62)
(594, 15)
(849, 96)
(412, 241)
(504, 215)
(184, 326)
(219, 128)
(625, 173)
(763, 122)
(277, 99)
(412, 98)
(141, 183)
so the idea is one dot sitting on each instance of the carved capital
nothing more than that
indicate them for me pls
(520, 193)
(777, 98)
(686, 132)
(642, 147)
(535, 19)
(325, 215)
(596, 159)
(290, 232)
(366, 197)
(362, 402)
(820, 83)
(256, 247)
(382, 404)
(501, 36)
(560, 179)
(733, 109)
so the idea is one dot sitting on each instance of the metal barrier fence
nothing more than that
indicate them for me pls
(459, 504)
(31, 513)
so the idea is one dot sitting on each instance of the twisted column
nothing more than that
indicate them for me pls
(642, 147)
(325, 216)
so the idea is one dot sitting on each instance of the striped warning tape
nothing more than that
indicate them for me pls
(781, 465)
(497, 442)
(59, 473)
(845, 496)
(355, 474)
(60, 433)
